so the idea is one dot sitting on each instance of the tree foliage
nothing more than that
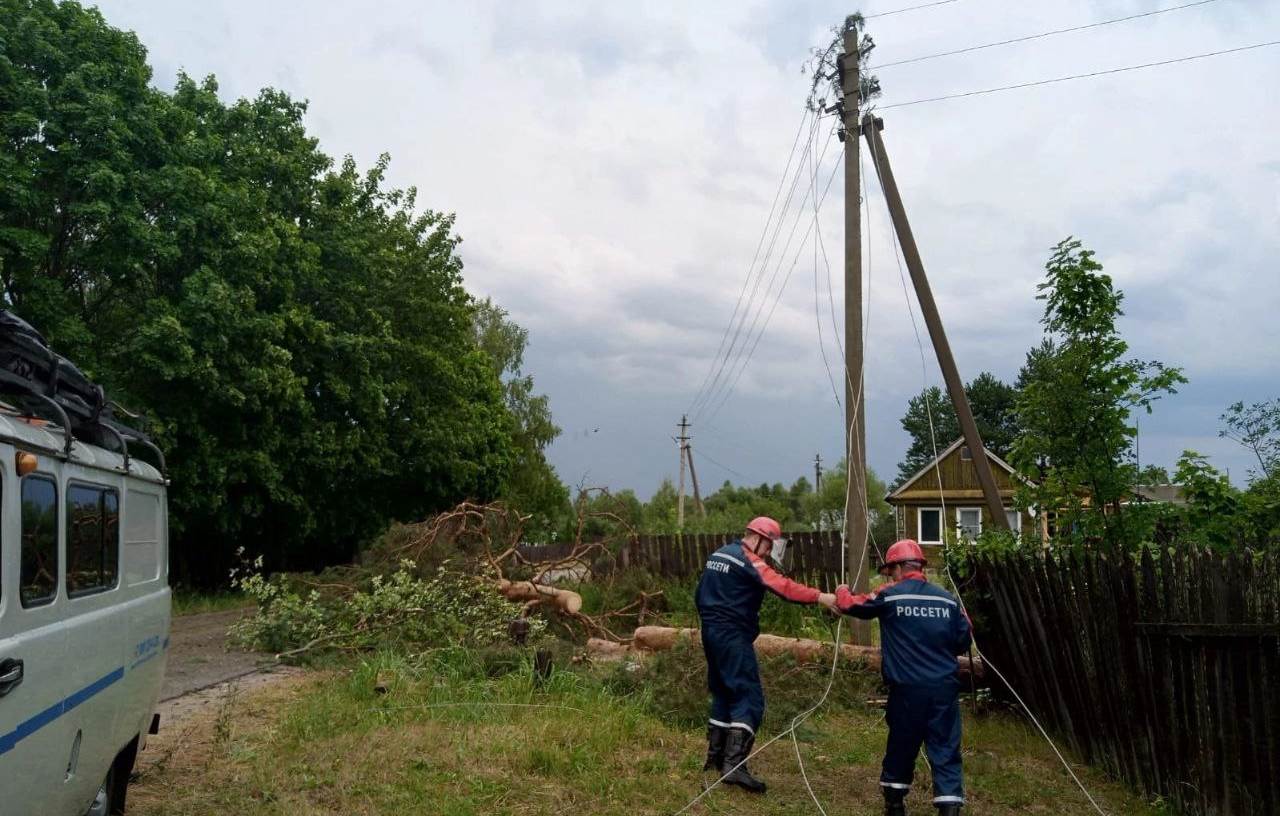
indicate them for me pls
(296, 329)
(532, 485)
(992, 402)
(1078, 390)
(1257, 428)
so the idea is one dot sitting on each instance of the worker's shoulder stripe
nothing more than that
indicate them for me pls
(906, 597)
(728, 557)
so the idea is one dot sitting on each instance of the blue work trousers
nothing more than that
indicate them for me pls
(733, 678)
(930, 715)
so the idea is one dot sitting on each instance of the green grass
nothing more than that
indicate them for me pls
(190, 602)
(447, 738)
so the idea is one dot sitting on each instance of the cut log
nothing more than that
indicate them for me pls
(606, 650)
(661, 638)
(562, 599)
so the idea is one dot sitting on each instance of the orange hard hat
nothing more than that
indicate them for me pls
(765, 526)
(904, 550)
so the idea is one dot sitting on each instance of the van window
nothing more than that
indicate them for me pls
(39, 573)
(93, 539)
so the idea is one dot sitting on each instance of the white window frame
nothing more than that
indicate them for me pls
(1016, 523)
(920, 511)
(959, 526)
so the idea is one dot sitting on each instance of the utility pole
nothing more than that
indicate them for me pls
(855, 522)
(693, 477)
(817, 473)
(680, 443)
(870, 128)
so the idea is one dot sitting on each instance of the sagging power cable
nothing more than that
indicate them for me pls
(757, 274)
(759, 245)
(757, 329)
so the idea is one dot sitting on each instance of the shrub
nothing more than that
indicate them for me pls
(399, 610)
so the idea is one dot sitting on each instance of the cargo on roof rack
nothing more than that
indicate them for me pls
(47, 385)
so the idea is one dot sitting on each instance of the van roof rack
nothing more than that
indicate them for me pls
(47, 385)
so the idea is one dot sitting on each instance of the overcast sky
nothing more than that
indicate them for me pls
(612, 166)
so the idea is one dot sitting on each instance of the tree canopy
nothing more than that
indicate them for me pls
(296, 329)
(1077, 392)
(990, 399)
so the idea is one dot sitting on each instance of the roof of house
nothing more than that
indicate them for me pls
(902, 488)
(1165, 493)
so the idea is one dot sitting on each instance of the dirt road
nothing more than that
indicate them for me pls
(203, 671)
(199, 656)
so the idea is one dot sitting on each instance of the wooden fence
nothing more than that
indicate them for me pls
(812, 557)
(1164, 670)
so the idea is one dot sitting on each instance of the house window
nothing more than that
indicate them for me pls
(1015, 520)
(969, 522)
(38, 581)
(966, 455)
(930, 525)
(93, 539)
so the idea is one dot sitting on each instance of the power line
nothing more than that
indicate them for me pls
(903, 10)
(1039, 36)
(725, 468)
(1080, 76)
(759, 244)
(741, 318)
(743, 361)
(720, 390)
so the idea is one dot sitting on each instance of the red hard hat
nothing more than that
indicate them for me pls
(766, 527)
(904, 550)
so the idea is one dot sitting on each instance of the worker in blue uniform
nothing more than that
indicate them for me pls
(922, 630)
(729, 596)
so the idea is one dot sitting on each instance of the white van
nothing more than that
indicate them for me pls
(84, 618)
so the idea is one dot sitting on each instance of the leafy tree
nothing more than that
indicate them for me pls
(1078, 390)
(992, 403)
(1152, 475)
(532, 485)
(825, 511)
(1257, 428)
(1215, 510)
(297, 331)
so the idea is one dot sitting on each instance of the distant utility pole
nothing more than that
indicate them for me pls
(855, 521)
(681, 441)
(817, 473)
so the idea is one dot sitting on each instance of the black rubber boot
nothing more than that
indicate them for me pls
(715, 747)
(737, 747)
(894, 801)
(949, 810)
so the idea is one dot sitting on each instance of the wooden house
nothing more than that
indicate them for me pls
(919, 502)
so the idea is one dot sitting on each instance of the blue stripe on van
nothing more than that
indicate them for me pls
(53, 712)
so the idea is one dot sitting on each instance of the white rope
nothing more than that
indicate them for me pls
(933, 441)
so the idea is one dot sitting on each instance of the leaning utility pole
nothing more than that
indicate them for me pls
(680, 442)
(855, 522)
(870, 128)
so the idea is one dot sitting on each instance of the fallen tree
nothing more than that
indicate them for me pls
(648, 639)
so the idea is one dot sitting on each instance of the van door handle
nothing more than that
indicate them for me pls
(10, 675)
